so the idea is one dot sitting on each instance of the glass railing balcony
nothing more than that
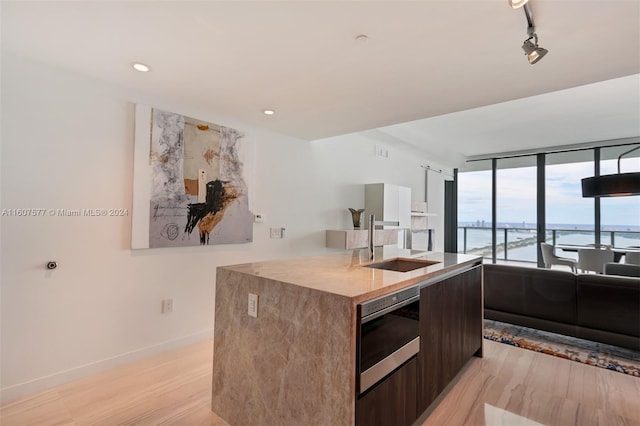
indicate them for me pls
(520, 244)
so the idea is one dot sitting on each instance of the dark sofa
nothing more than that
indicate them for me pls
(601, 308)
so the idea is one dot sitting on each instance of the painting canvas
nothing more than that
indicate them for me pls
(197, 190)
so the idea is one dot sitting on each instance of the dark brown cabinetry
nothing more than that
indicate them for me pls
(450, 331)
(392, 401)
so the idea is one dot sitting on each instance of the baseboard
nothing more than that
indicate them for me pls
(40, 384)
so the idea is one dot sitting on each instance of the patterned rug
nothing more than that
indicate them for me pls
(592, 353)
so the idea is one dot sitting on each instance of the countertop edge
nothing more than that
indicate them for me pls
(368, 295)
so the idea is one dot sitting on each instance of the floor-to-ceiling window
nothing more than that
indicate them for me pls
(516, 209)
(474, 210)
(565, 217)
(570, 218)
(620, 216)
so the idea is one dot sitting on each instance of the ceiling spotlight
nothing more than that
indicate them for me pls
(517, 3)
(533, 51)
(268, 112)
(141, 67)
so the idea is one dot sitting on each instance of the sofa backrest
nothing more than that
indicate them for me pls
(609, 302)
(539, 293)
(623, 269)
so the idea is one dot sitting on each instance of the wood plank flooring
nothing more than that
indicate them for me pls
(508, 386)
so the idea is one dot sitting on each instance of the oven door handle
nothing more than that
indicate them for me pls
(388, 309)
(376, 373)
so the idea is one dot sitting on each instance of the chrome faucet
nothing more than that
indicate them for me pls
(372, 225)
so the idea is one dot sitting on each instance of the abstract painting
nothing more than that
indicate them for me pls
(198, 193)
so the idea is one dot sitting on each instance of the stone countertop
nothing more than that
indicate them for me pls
(345, 273)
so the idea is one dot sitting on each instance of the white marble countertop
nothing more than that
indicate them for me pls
(345, 273)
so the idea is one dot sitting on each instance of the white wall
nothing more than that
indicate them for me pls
(67, 143)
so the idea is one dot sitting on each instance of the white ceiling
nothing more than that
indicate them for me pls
(424, 62)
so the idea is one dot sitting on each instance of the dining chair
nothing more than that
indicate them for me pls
(632, 257)
(594, 259)
(549, 258)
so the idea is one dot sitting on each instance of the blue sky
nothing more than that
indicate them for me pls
(565, 205)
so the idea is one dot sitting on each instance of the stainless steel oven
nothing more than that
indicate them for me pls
(387, 335)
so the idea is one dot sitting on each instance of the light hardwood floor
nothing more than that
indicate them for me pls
(509, 386)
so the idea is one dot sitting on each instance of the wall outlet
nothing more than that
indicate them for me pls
(252, 305)
(167, 306)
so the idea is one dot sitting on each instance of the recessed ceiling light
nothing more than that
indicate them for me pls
(268, 112)
(362, 38)
(141, 67)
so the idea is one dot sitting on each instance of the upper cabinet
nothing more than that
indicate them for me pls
(391, 204)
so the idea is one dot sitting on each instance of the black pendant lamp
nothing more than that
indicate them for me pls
(616, 185)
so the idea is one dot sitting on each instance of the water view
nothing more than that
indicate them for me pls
(519, 241)
(515, 197)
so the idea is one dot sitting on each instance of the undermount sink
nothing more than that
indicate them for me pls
(401, 264)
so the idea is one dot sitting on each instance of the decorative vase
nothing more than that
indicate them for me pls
(355, 216)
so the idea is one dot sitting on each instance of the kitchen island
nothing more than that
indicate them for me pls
(293, 361)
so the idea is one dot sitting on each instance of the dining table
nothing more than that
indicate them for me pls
(618, 252)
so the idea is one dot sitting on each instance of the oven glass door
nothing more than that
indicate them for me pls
(382, 336)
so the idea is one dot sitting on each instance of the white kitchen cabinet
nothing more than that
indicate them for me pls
(391, 204)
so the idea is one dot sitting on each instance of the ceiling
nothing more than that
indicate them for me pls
(448, 77)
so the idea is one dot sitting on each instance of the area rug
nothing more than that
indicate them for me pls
(592, 353)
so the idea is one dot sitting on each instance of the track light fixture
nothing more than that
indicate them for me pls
(531, 49)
